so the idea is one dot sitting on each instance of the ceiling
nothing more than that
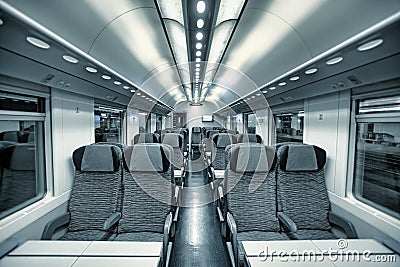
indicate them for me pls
(271, 38)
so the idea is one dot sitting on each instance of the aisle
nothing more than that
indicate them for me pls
(198, 240)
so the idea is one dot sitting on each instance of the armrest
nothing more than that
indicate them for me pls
(343, 223)
(7, 246)
(233, 229)
(56, 223)
(289, 223)
(167, 230)
(112, 220)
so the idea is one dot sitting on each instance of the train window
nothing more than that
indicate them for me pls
(377, 154)
(108, 124)
(289, 127)
(22, 171)
(250, 122)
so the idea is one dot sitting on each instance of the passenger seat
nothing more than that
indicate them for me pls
(146, 138)
(249, 138)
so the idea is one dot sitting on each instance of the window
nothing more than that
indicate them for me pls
(108, 124)
(22, 170)
(289, 127)
(377, 154)
(250, 122)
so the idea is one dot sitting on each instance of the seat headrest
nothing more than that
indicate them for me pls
(249, 138)
(146, 138)
(97, 158)
(147, 157)
(196, 130)
(301, 157)
(12, 136)
(210, 133)
(255, 158)
(173, 139)
(19, 157)
(223, 140)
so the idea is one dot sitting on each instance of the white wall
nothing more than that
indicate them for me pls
(73, 126)
(262, 128)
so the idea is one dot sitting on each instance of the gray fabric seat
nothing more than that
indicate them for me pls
(146, 207)
(12, 136)
(146, 138)
(196, 138)
(302, 193)
(250, 190)
(221, 141)
(94, 195)
(249, 138)
(175, 140)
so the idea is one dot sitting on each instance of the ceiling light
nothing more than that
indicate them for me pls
(132, 91)
(198, 53)
(311, 71)
(91, 69)
(126, 87)
(198, 59)
(199, 45)
(139, 93)
(197, 64)
(272, 88)
(265, 91)
(197, 69)
(199, 36)
(334, 60)
(106, 77)
(200, 23)
(248, 98)
(70, 59)
(258, 94)
(147, 98)
(117, 83)
(143, 96)
(294, 78)
(201, 7)
(37, 42)
(281, 84)
(253, 96)
(369, 45)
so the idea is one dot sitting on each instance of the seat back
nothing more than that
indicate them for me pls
(149, 174)
(210, 133)
(185, 133)
(249, 138)
(12, 136)
(18, 182)
(251, 187)
(221, 141)
(302, 193)
(175, 140)
(94, 195)
(146, 138)
(196, 135)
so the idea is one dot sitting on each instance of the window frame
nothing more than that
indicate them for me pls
(365, 118)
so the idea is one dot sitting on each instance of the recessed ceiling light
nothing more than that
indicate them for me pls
(147, 98)
(143, 96)
(282, 83)
(248, 98)
(265, 91)
(197, 64)
(334, 60)
(272, 88)
(117, 83)
(198, 53)
(197, 69)
(199, 36)
(197, 72)
(91, 69)
(199, 45)
(37, 42)
(139, 93)
(198, 59)
(294, 78)
(126, 87)
(253, 96)
(201, 7)
(132, 91)
(1, 22)
(258, 94)
(311, 71)
(70, 59)
(369, 45)
(200, 23)
(106, 77)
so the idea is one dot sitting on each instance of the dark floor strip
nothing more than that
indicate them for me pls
(198, 240)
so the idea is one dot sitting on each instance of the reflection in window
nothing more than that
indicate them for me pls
(377, 157)
(289, 127)
(108, 124)
(250, 123)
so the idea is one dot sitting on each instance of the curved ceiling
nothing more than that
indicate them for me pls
(271, 38)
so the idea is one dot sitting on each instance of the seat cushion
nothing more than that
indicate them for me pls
(311, 234)
(257, 236)
(140, 237)
(86, 235)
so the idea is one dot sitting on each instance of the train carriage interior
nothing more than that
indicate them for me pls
(199, 133)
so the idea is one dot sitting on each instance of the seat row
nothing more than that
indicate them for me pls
(275, 195)
(121, 194)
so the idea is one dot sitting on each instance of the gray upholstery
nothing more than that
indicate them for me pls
(146, 138)
(141, 212)
(140, 237)
(173, 139)
(250, 158)
(94, 195)
(311, 234)
(302, 195)
(249, 138)
(97, 158)
(12, 136)
(221, 140)
(210, 133)
(301, 158)
(86, 235)
(146, 158)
